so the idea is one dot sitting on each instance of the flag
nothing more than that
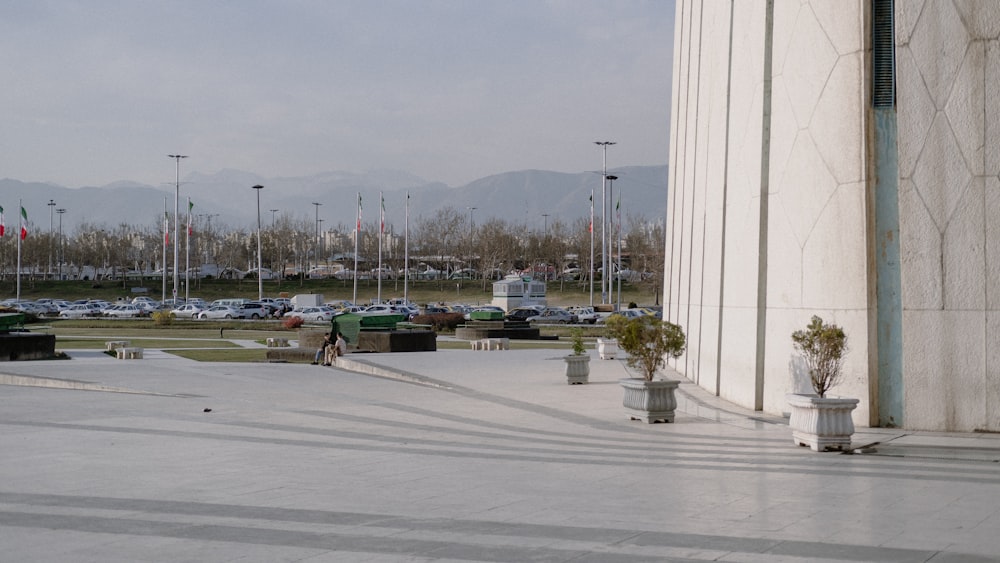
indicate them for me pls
(2, 227)
(618, 212)
(166, 229)
(591, 228)
(190, 207)
(359, 212)
(382, 216)
(24, 224)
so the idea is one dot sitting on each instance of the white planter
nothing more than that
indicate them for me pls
(607, 348)
(577, 369)
(651, 401)
(822, 424)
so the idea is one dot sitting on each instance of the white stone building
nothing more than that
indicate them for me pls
(841, 159)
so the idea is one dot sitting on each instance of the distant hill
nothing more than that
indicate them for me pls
(521, 197)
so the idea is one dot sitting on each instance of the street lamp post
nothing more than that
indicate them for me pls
(604, 221)
(260, 277)
(48, 272)
(177, 198)
(60, 258)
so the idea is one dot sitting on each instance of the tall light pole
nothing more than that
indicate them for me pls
(604, 221)
(48, 272)
(316, 253)
(177, 199)
(60, 259)
(273, 211)
(260, 277)
(471, 209)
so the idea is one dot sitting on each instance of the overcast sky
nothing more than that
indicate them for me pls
(98, 91)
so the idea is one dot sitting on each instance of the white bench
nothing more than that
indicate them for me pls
(277, 342)
(129, 353)
(491, 344)
(113, 345)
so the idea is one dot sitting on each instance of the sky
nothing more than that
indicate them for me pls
(99, 91)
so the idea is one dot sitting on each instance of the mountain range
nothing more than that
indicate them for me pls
(521, 197)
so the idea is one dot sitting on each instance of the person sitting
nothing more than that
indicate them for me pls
(322, 349)
(338, 348)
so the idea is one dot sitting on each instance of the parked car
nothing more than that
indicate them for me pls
(124, 311)
(189, 311)
(627, 313)
(320, 313)
(79, 311)
(252, 310)
(585, 314)
(221, 312)
(523, 313)
(553, 315)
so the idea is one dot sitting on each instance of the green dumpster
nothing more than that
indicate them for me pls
(348, 324)
(486, 315)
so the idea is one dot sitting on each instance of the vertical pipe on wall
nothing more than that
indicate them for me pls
(765, 157)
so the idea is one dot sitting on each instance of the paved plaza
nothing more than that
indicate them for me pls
(453, 456)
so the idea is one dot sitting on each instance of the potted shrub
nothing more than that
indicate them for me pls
(578, 363)
(648, 342)
(818, 421)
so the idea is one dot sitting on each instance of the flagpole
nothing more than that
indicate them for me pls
(357, 235)
(187, 257)
(618, 212)
(381, 231)
(591, 247)
(406, 251)
(20, 231)
(166, 235)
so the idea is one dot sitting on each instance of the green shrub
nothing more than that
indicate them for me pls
(163, 318)
(823, 346)
(647, 340)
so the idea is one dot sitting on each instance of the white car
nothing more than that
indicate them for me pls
(322, 314)
(221, 312)
(585, 314)
(79, 311)
(124, 311)
(189, 311)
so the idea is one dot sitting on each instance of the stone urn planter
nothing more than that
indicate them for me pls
(648, 342)
(607, 348)
(577, 369)
(821, 423)
(651, 401)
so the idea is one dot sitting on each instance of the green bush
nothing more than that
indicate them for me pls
(647, 340)
(823, 346)
(163, 318)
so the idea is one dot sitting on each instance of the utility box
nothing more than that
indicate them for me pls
(307, 300)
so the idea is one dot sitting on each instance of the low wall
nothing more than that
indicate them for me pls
(17, 346)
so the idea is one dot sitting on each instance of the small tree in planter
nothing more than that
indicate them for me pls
(817, 421)
(648, 343)
(578, 363)
(823, 346)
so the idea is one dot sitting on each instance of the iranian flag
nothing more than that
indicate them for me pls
(24, 223)
(3, 229)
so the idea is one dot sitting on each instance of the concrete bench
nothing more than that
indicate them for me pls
(113, 345)
(491, 344)
(498, 344)
(129, 353)
(277, 342)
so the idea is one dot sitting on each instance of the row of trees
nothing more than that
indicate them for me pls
(445, 241)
